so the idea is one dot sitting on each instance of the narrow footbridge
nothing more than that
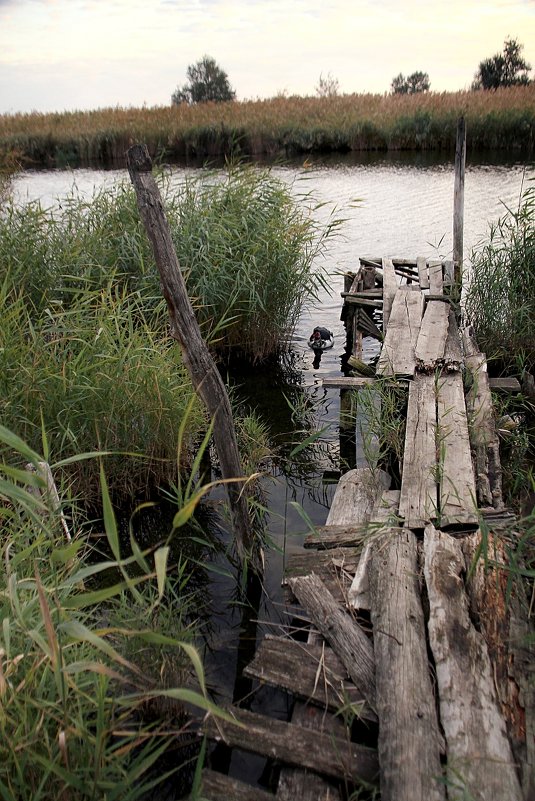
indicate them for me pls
(414, 680)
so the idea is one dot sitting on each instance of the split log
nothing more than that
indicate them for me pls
(356, 496)
(203, 371)
(409, 738)
(458, 506)
(335, 568)
(325, 537)
(398, 352)
(295, 745)
(345, 636)
(480, 762)
(418, 502)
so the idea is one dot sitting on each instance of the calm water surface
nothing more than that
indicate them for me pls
(400, 206)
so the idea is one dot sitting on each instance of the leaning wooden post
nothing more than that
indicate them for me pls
(458, 202)
(184, 328)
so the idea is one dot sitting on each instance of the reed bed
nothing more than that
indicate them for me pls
(504, 118)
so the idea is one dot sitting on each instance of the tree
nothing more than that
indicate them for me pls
(503, 69)
(410, 85)
(207, 81)
(328, 86)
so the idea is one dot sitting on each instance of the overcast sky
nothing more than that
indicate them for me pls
(58, 55)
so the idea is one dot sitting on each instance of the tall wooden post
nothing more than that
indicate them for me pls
(184, 328)
(458, 202)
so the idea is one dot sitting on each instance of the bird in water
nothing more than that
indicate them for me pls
(321, 339)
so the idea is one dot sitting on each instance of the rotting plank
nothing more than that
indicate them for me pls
(423, 273)
(390, 287)
(345, 636)
(312, 672)
(294, 745)
(457, 491)
(387, 509)
(436, 284)
(336, 536)
(418, 501)
(347, 382)
(219, 787)
(397, 354)
(453, 356)
(480, 762)
(335, 567)
(431, 341)
(356, 495)
(409, 739)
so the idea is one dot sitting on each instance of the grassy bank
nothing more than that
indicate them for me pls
(502, 119)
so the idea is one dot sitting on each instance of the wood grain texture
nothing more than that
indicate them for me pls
(423, 273)
(398, 352)
(431, 341)
(390, 287)
(219, 787)
(356, 495)
(480, 763)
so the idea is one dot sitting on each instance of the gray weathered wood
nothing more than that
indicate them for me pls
(480, 763)
(347, 382)
(335, 567)
(356, 495)
(449, 272)
(312, 672)
(345, 636)
(505, 384)
(382, 515)
(431, 341)
(458, 200)
(457, 490)
(418, 502)
(390, 287)
(398, 352)
(359, 300)
(436, 282)
(219, 787)
(453, 355)
(336, 536)
(409, 738)
(294, 745)
(421, 264)
(202, 369)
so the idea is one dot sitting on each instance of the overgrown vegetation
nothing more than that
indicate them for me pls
(207, 81)
(504, 69)
(427, 120)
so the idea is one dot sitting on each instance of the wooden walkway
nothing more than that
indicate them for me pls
(402, 684)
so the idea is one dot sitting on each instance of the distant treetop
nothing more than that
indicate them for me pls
(207, 81)
(410, 85)
(503, 69)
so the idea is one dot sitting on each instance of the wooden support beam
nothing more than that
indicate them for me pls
(418, 501)
(480, 762)
(458, 201)
(423, 273)
(431, 343)
(410, 743)
(295, 745)
(457, 490)
(217, 786)
(436, 281)
(390, 287)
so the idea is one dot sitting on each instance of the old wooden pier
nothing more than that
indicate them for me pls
(409, 631)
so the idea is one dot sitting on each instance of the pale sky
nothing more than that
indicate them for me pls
(62, 55)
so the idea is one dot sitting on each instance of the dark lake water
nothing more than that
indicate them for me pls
(393, 205)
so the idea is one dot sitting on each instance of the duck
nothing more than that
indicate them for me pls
(321, 339)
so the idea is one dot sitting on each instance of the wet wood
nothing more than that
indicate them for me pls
(423, 274)
(356, 495)
(457, 489)
(336, 536)
(480, 762)
(344, 635)
(202, 369)
(409, 738)
(295, 745)
(398, 352)
(418, 502)
(431, 341)
(219, 787)
(312, 672)
(390, 287)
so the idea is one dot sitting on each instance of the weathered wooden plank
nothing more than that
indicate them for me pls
(449, 276)
(397, 354)
(219, 787)
(453, 355)
(418, 502)
(336, 536)
(505, 384)
(312, 672)
(480, 763)
(335, 567)
(383, 514)
(359, 300)
(356, 495)
(390, 287)
(365, 323)
(366, 294)
(423, 273)
(339, 629)
(431, 341)
(436, 284)
(409, 738)
(457, 489)
(347, 382)
(294, 745)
